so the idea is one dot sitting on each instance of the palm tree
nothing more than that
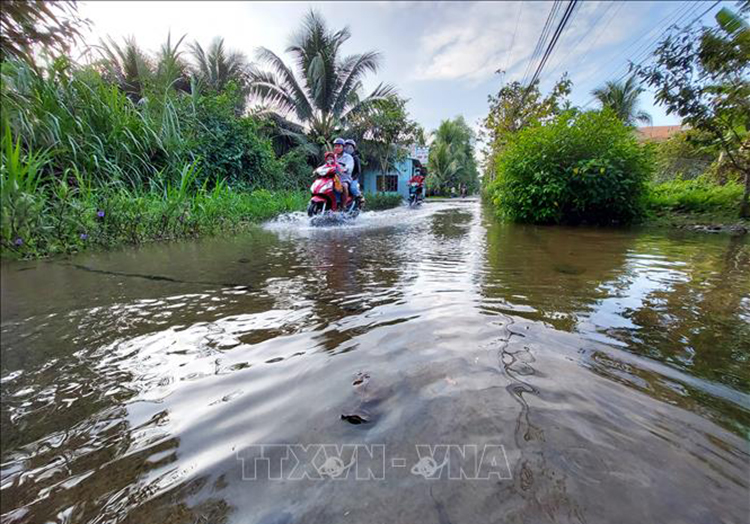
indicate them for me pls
(217, 66)
(128, 66)
(172, 71)
(326, 90)
(451, 160)
(444, 167)
(622, 98)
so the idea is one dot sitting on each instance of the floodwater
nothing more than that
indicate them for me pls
(485, 372)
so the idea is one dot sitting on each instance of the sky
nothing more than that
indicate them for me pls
(442, 56)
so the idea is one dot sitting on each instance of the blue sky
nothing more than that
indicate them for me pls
(441, 55)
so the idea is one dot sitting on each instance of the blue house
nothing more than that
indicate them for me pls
(395, 181)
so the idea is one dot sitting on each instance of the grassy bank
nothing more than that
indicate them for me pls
(683, 203)
(69, 220)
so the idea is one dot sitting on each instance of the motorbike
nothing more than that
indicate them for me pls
(415, 194)
(324, 199)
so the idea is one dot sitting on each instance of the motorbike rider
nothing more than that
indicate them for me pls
(346, 166)
(418, 179)
(350, 146)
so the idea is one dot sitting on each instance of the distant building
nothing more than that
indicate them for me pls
(658, 133)
(395, 181)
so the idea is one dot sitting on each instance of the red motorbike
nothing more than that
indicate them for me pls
(324, 198)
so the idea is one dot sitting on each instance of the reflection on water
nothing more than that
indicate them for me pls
(610, 365)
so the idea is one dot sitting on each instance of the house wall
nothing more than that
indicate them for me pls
(403, 168)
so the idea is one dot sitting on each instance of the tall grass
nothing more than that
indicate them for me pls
(82, 165)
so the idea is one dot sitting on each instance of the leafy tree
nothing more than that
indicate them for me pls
(384, 131)
(622, 98)
(702, 76)
(326, 91)
(25, 24)
(516, 107)
(451, 161)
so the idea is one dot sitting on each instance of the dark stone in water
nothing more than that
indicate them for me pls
(354, 419)
(568, 269)
(243, 260)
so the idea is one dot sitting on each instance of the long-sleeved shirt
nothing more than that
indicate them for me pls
(346, 162)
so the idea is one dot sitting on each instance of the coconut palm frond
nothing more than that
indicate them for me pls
(285, 81)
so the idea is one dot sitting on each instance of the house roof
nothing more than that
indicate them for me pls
(658, 133)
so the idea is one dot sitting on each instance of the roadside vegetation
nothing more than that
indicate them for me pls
(451, 162)
(133, 145)
(548, 162)
(379, 201)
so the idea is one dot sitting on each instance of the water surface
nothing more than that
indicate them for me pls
(609, 367)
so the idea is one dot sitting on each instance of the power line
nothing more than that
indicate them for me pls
(542, 39)
(551, 47)
(644, 39)
(646, 53)
(585, 34)
(513, 40)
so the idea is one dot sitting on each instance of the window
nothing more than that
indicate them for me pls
(387, 183)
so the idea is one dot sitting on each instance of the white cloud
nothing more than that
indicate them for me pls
(472, 41)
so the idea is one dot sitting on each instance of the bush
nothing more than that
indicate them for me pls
(581, 167)
(699, 195)
(378, 201)
(296, 171)
(230, 147)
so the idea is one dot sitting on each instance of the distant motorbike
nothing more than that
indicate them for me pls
(415, 194)
(324, 199)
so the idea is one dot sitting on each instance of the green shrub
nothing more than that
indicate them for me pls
(378, 201)
(581, 167)
(699, 195)
(231, 148)
(296, 171)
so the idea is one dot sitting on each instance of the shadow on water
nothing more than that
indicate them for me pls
(609, 365)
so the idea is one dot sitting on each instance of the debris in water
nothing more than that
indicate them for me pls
(361, 378)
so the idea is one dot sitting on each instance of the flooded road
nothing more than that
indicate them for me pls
(431, 366)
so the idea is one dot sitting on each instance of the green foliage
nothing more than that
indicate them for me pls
(29, 25)
(702, 76)
(378, 201)
(384, 131)
(296, 172)
(85, 122)
(65, 218)
(451, 161)
(231, 147)
(581, 167)
(699, 195)
(516, 107)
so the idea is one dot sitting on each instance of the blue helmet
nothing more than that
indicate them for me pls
(339, 141)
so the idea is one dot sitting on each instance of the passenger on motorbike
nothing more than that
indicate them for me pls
(346, 166)
(350, 147)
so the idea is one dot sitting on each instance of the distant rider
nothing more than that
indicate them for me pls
(418, 179)
(350, 146)
(346, 166)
